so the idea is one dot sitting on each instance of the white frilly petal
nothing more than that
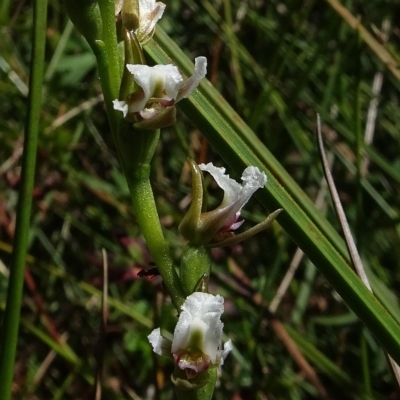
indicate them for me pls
(120, 106)
(200, 71)
(200, 316)
(161, 346)
(253, 180)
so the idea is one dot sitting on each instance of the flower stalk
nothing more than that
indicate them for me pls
(140, 100)
(138, 178)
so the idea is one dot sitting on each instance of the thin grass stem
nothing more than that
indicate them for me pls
(15, 285)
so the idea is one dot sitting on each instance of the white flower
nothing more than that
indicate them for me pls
(149, 12)
(197, 342)
(215, 228)
(161, 87)
(235, 194)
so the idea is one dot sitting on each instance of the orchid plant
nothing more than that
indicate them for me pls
(140, 100)
(145, 103)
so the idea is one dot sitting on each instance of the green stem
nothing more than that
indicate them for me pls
(148, 219)
(136, 149)
(9, 331)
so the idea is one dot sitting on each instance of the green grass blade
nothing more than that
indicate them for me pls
(379, 50)
(11, 317)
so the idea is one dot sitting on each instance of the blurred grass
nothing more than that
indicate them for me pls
(278, 64)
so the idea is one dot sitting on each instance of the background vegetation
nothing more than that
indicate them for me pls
(278, 64)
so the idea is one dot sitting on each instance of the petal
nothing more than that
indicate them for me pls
(231, 188)
(146, 6)
(226, 350)
(200, 71)
(222, 354)
(150, 13)
(161, 81)
(118, 6)
(161, 346)
(253, 179)
(156, 120)
(200, 320)
(120, 106)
